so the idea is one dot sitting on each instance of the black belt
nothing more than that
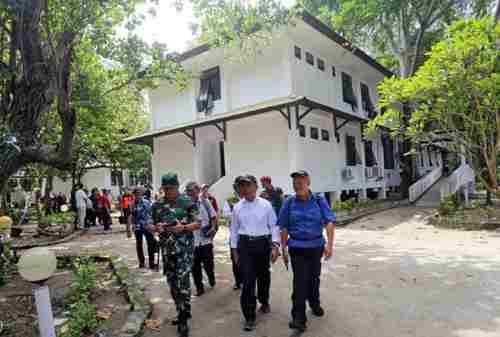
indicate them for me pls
(255, 238)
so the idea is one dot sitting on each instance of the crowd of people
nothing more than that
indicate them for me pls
(179, 227)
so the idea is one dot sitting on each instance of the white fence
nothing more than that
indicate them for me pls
(424, 183)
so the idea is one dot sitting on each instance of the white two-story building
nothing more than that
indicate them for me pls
(300, 102)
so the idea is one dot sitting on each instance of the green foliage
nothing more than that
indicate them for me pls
(57, 219)
(82, 314)
(85, 276)
(449, 205)
(455, 93)
(82, 318)
(347, 205)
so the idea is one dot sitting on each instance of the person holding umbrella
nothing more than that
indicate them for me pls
(302, 220)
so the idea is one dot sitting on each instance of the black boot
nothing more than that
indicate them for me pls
(183, 329)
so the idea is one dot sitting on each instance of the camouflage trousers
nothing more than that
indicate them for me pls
(177, 267)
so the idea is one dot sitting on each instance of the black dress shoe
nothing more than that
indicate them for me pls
(265, 309)
(249, 325)
(318, 311)
(296, 325)
(200, 292)
(141, 265)
(212, 283)
(236, 287)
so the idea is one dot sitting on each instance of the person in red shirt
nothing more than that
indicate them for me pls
(105, 207)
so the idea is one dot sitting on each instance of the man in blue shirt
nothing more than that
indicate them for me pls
(302, 220)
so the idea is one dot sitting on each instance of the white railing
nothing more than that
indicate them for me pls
(460, 177)
(373, 172)
(424, 183)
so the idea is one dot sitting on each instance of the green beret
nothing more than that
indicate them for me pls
(170, 179)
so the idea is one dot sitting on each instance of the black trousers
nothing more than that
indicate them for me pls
(203, 256)
(306, 266)
(151, 243)
(236, 270)
(255, 262)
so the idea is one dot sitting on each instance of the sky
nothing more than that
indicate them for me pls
(172, 27)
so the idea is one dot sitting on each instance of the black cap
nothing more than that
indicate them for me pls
(247, 179)
(300, 173)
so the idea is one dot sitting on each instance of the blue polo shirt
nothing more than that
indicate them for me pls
(305, 221)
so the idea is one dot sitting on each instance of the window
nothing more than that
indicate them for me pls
(298, 53)
(321, 64)
(314, 133)
(302, 131)
(116, 178)
(334, 72)
(210, 89)
(366, 102)
(309, 58)
(369, 154)
(388, 146)
(352, 156)
(325, 135)
(348, 92)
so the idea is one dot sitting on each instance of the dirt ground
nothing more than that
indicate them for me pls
(392, 275)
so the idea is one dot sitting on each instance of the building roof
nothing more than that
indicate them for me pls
(319, 27)
(251, 110)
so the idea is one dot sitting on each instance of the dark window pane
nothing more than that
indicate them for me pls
(325, 135)
(298, 52)
(348, 91)
(309, 58)
(351, 155)
(334, 72)
(302, 130)
(210, 81)
(366, 101)
(388, 145)
(369, 155)
(314, 133)
(321, 64)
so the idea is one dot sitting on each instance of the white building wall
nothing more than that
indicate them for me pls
(259, 146)
(173, 153)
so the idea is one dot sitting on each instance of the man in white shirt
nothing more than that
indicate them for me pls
(203, 237)
(255, 241)
(81, 204)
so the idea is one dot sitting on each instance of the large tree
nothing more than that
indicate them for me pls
(455, 97)
(43, 46)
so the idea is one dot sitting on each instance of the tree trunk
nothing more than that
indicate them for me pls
(49, 186)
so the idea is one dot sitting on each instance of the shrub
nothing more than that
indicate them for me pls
(449, 205)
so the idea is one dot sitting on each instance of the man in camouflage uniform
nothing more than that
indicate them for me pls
(175, 216)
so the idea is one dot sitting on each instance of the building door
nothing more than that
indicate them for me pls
(222, 160)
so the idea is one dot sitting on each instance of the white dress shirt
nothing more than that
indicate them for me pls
(81, 199)
(254, 218)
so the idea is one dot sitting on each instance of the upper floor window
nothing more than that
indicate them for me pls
(298, 52)
(348, 92)
(210, 89)
(334, 72)
(314, 133)
(116, 178)
(366, 101)
(309, 58)
(388, 145)
(321, 64)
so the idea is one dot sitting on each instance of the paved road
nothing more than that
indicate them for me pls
(392, 276)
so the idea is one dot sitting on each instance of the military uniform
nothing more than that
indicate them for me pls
(177, 250)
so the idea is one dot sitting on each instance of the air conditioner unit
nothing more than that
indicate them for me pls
(347, 173)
